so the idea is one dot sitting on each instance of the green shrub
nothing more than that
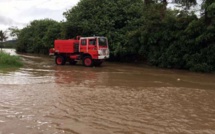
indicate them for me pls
(7, 60)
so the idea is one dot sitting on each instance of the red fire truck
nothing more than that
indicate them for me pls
(90, 50)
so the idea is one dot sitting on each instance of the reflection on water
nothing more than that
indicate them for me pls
(113, 99)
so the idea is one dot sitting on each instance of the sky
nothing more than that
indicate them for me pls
(19, 13)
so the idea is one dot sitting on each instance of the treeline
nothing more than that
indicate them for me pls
(38, 36)
(8, 44)
(138, 31)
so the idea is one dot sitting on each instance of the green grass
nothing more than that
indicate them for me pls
(9, 61)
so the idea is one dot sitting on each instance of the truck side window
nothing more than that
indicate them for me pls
(92, 41)
(84, 42)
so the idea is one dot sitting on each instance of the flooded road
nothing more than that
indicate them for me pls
(43, 98)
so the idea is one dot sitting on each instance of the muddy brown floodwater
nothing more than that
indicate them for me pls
(43, 98)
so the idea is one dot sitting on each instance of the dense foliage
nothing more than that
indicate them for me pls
(137, 31)
(183, 42)
(38, 37)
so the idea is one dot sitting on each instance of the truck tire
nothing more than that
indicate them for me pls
(87, 61)
(60, 60)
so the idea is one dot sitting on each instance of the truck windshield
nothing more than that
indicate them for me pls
(102, 42)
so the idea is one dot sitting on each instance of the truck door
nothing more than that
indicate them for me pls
(83, 45)
(92, 45)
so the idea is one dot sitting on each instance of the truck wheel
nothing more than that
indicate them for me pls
(60, 60)
(88, 62)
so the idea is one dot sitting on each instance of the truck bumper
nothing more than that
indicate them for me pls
(103, 57)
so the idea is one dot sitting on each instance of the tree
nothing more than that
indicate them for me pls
(3, 37)
(38, 37)
(111, 18)
(186, 3)
(14, 31)
(208, 7)
(183, 3)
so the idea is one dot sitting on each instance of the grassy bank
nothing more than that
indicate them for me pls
(9, 61)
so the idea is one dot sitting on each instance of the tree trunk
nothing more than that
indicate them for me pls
(165, 3)
(163, 9)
